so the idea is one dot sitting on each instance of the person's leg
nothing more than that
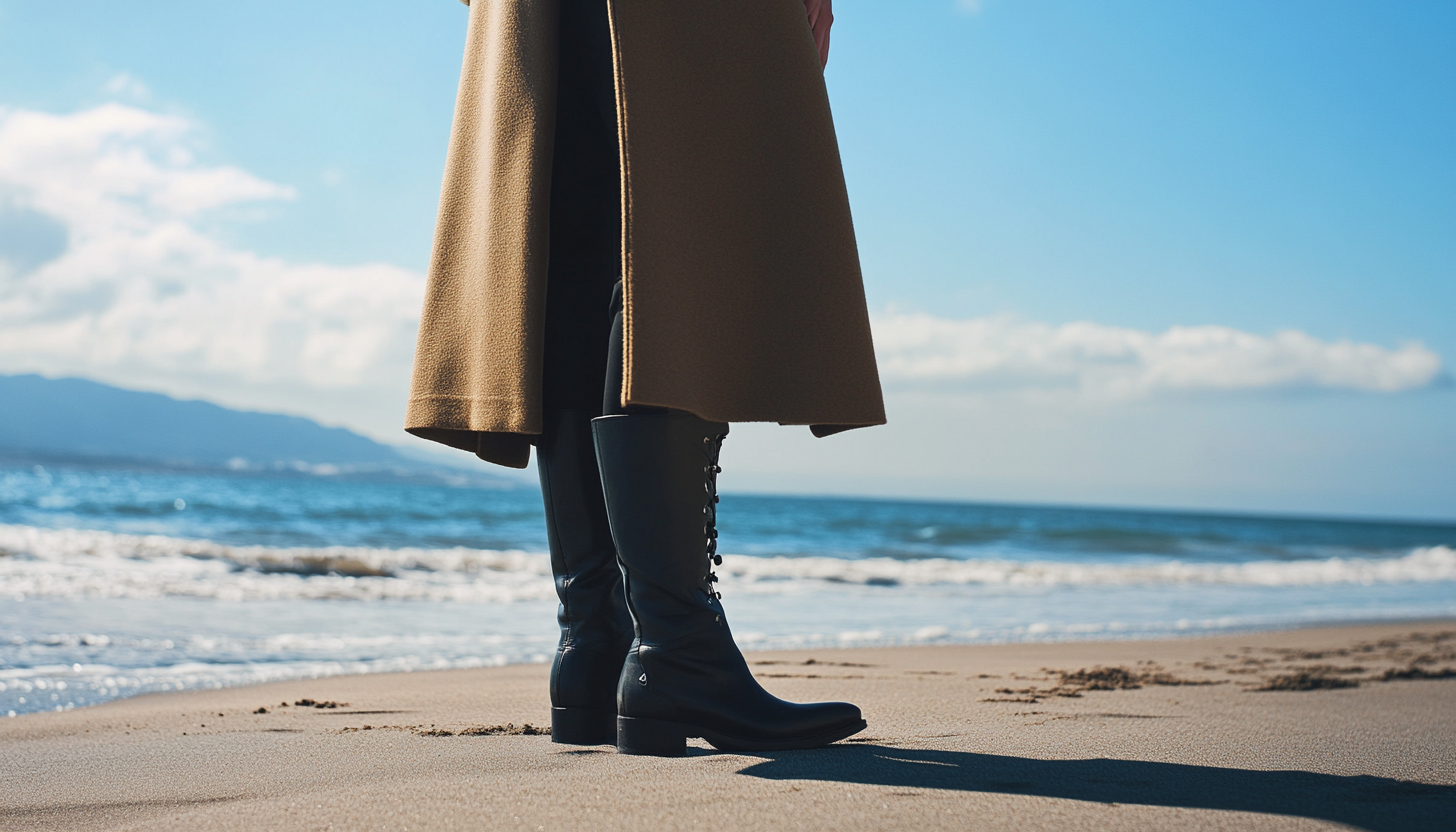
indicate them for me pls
(584, 256)
(684, 675)
(595, 628)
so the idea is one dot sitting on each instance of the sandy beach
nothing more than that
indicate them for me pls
(1345, 727)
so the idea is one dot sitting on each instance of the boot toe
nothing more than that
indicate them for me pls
(794, 726)
(845, 713)
(828, 718)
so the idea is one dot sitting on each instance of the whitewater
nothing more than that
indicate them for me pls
(71, 563)
(115, 582)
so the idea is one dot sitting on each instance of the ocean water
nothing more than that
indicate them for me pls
(115, 582)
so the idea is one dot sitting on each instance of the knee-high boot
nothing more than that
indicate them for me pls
(595, 627)
(684, 676)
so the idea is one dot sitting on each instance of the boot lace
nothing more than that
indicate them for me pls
(711, 447)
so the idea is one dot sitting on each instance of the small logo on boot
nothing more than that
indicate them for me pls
(642, 678)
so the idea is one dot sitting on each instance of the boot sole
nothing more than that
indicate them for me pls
(584, 726)
(661, 738)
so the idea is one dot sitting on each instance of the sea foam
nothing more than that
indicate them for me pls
(1434, 563)
(64, 563)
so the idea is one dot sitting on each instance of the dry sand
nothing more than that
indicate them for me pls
(999, 737)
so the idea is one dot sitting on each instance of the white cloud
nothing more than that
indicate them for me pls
(107, 271)
(141, 293)
(1114, 362)
(970, 6)
(116, 167)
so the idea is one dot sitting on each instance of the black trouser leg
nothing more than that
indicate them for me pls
(612, 390)
(586, 223)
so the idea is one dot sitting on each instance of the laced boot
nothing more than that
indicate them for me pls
(684, 676)
(595, 627)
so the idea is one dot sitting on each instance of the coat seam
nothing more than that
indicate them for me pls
(437, 396)
(619, 80)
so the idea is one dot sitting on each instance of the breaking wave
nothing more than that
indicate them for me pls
(1434, 563)
(58, 563)
(62, 563)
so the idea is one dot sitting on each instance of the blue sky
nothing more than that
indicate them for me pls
(1015, 167)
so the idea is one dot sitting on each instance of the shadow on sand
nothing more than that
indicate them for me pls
(1374, 803)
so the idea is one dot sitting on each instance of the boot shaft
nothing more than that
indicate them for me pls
(577, 531)
(660, 481)
(583, 556)
(596, 629)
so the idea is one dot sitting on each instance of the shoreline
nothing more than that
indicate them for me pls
(1355, 727)
(1097, 637)
(1092, 637)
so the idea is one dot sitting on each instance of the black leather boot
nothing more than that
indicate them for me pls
(684, 676)
(595, 627)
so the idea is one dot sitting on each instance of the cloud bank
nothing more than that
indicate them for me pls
(108, 270)
(1114, 362)
(118, 279)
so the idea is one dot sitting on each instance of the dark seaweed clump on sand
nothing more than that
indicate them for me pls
(510, 729)
(1306, 680)
(309, 703)
(1072, 684)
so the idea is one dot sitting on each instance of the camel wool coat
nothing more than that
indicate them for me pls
(743, 295)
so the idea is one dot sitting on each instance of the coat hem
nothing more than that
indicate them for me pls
(493, 429)
(512, 450)
(493, 414)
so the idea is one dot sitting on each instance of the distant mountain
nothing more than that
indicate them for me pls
(76, 419)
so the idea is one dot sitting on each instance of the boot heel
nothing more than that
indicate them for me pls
(584, 726)
(651, 737)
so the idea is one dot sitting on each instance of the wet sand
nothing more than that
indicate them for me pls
(1310, 729)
